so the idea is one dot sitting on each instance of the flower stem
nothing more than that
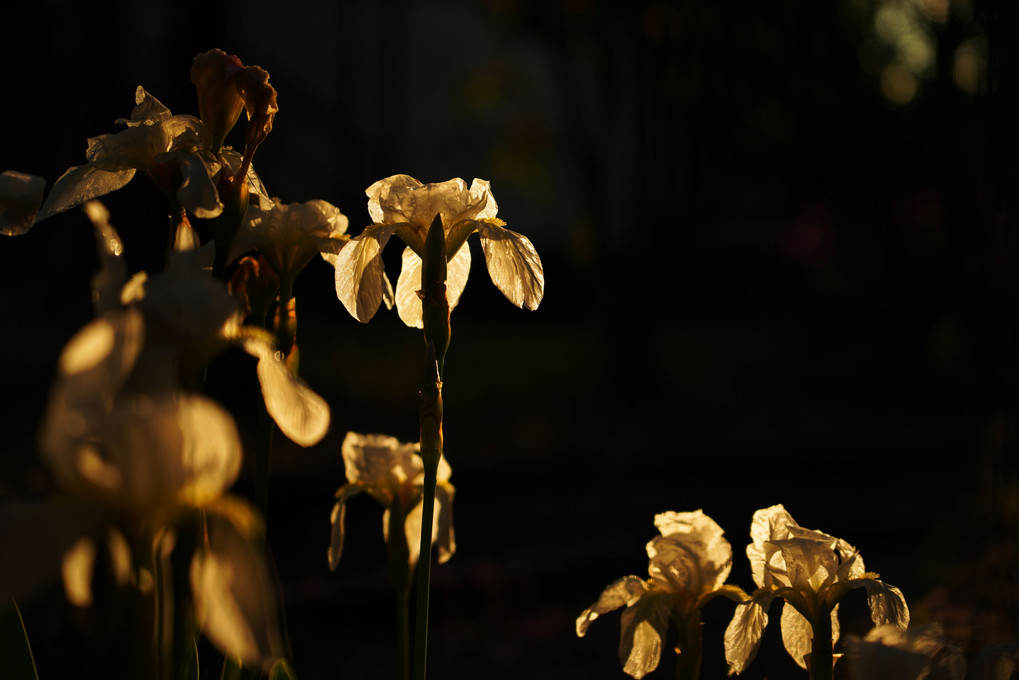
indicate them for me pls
(689, 643)
(403, 631)
(822, 661)
(430, 415)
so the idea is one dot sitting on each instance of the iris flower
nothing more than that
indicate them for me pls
(392, 473)
(689, 563)
(289, 235)
(124, 433)
(811, 571)
(404, 206)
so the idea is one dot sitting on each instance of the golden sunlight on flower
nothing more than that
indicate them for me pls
(689, 563)
(20, 199)
(289, 235)
(403, 206)
(175, 152)
(811, 571)
(392, 473)
(914, 654)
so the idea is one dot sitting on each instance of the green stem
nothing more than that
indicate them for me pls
(403, 631)
(822, 661)
(424, 574)
(430, 415)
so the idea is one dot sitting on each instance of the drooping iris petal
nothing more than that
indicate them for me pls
(620, 593)
(108, 282)
(301, 414)
(798, 635)
(743, 634)
(235, 604)
(513, 264)
(82, 183)
(887, 604)
(644, 626)
(360, 274)
(20, 200)
(408, 304)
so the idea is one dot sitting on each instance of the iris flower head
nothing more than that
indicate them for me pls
(811, 571)
(392, 472)
(406, 207)
(688, 565)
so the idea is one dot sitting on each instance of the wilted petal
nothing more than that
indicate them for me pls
(234, 598)
(20, 198)
(644, 626)
(337, 519)
(887, 604)
(513, 264)
(360, 273)
(620, 593)
(301, 414)
(408, 304)
(80, 184)
(743, 634)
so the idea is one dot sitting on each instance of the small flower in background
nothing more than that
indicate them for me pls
(689, 564)
(392, 473)
(404, 206)
(20, 199)
(289, 235)
(890, 653)
(811, 571)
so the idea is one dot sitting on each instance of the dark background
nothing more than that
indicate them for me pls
(772, 277)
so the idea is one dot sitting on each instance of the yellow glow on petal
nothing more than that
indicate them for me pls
(92, 467)
(898, 85)
(76, 569)
(88, 348)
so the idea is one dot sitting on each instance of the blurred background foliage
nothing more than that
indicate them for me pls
(779, 240)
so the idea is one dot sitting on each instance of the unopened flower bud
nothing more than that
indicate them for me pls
(219, 101)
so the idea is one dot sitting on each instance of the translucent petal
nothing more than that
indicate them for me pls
(743, 634)
(513, 264)
(809, 564)
(380, 462)
(360, 274)
(197, 191)
(20, 199)
(408, 304)
(887, 604)
(80, 184)
(301, 414)
(696, 527)
(644, 627)
(798, 635)
(620, 593)
(675, 565)
(234, 598)
(768, 524)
